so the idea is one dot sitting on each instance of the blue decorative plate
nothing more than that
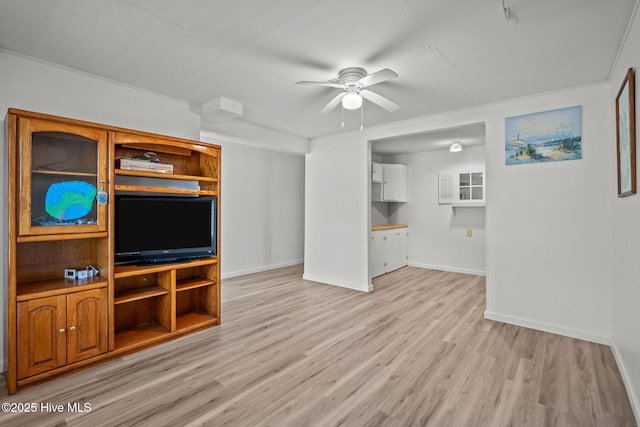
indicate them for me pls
(69, 200)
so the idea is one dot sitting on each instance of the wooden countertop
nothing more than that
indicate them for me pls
(387, 226)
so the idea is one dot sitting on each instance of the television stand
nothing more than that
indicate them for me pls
(163, 261)
(56, 325)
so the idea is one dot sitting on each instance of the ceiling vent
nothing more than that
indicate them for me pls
(220, 110)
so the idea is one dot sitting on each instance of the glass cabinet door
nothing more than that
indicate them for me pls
(63, 168)
(471, 186)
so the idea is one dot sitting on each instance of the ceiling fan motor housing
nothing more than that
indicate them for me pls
(349, 78)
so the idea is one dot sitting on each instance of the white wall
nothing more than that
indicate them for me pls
(438, 236)
(35, 86)
(548, 231)
(625, 277)
(277, 208)
(262, 208)
(337, 211)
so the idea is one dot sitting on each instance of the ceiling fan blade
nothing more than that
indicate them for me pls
(378, 77)
(380, 100)
(332, 104)
(330, 84)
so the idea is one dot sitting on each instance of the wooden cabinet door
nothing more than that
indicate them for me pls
(41, 335)
(86, 324)
(62, 167)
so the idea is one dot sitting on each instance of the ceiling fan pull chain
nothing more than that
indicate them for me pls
(342, 109)
(362, 117)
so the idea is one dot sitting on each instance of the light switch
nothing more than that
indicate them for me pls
(469, 232)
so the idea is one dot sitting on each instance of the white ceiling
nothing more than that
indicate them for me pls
(448, 54)
(469, 135)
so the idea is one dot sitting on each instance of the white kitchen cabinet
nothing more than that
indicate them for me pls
(376, 253)
(389, 185)
(396, 249)
(377, 172)
(461, 188)
(394, 186)
(388, 250)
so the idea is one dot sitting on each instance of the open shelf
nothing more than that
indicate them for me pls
(164, 190)
(124, 308)
(130, 295)
(61, 173)
(140, 335)
(136, 270)
(195, 319)
(193, 283)
(47, 288)
(127, 172)
(57, 237)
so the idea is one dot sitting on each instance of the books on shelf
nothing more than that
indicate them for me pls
(144, 165)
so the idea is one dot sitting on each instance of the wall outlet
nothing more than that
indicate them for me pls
(469, 232)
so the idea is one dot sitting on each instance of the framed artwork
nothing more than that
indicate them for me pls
(626, 136)
(546, 136)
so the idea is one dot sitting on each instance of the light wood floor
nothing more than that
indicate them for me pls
(417, 351)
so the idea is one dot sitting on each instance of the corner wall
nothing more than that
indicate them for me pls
(262, 208)
(625, 236)
(548, 229)
(336, 225)
(438, 234)
(35, 86)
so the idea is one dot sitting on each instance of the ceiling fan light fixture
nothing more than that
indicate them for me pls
(455, 147)
(352, 101)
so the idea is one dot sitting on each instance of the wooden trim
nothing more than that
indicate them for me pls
(126, 172)
(53, 287)
(629, 82)
(111, 246)
(387, 226)
(141, 188)
(74, 236)
(197, 145)
(169, 149)
(12, 333)
(134, 270)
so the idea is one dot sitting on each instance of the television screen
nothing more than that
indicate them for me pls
(164, 229)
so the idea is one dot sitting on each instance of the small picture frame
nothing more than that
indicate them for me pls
(626, 136)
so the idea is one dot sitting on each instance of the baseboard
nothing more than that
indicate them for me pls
(634, 399)
(547, 327)
(354, 286)
(237, 273)
(447, 268)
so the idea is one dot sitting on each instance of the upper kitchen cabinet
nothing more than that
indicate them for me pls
(377, 171)
(393, 185)
(462, 188)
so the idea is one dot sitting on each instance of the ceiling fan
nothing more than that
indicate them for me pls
(354, 83)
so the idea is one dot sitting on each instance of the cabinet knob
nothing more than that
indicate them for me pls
(61, 330)
(72, 328)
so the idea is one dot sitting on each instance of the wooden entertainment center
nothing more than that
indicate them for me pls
(57, 324)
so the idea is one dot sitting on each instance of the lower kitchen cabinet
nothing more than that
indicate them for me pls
(388, 250)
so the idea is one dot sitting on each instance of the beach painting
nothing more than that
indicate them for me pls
(547, 136)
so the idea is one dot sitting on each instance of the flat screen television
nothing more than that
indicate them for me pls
(164, 229)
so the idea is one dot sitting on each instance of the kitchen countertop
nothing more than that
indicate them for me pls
(387, 226)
